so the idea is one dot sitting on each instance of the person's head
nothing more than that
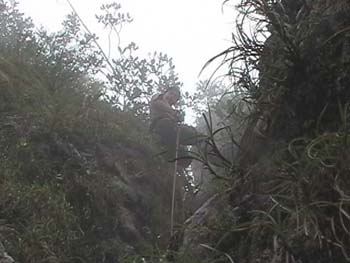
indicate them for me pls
(172, 95)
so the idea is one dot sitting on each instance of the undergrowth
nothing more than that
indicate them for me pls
(287, 188)
(81, 179)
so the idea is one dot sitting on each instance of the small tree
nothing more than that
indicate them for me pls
(132, 80)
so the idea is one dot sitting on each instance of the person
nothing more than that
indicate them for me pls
(166, 123)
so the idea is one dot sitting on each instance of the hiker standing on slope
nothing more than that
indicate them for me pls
(166, 123)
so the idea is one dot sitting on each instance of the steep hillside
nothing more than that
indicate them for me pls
(75, 187)
(286, 196)
(81, 178)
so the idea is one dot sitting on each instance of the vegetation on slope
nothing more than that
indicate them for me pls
(81, 179)
(288, 195)
(78, 178)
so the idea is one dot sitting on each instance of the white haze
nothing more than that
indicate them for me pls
(189, 31)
